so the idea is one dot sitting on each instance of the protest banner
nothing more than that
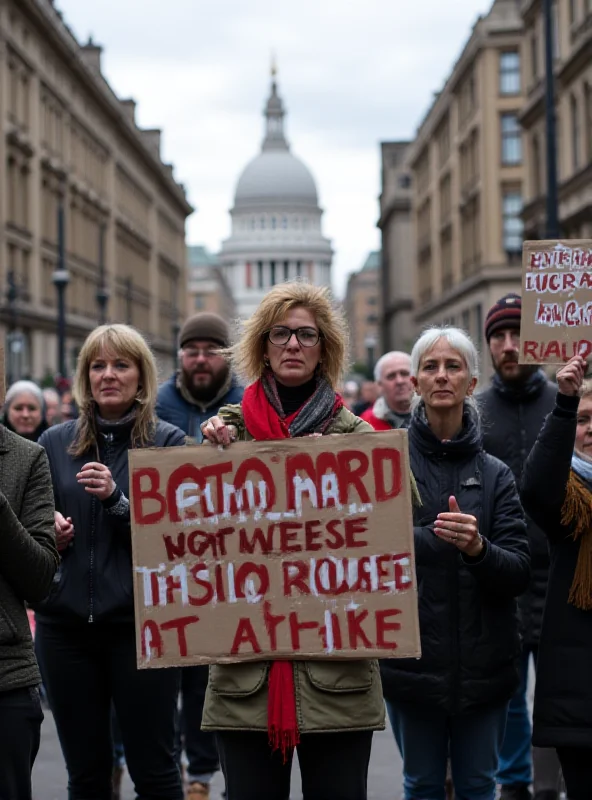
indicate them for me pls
(300, 548)
(556, 301)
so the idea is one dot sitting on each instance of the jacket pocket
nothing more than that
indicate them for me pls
(340, 676)
(238, 680)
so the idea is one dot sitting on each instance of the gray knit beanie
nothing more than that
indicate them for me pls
(206, 326)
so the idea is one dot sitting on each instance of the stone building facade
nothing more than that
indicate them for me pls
(468, 174)
(362, 311)
(208, 289)
(573, 84)
(71, 150)
(397, 289)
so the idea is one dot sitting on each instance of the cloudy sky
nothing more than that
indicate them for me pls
(351, 75)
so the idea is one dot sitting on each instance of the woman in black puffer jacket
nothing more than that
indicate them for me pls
(472, 562)
(557, 494)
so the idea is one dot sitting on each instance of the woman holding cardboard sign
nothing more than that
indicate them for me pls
(557, 493)
(85, 629)
(292, 353)
(472, 562)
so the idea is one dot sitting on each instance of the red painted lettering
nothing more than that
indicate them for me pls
(337, 541)
(355, 630)
(299, 462)
(245, 635)
(295, 576)
(383, 627)
(180, 626)
(288, 533)
(263, 541)
(151, 639)
(352, 527)
(311, 534)
(243, 574)
(296, 626)
(141, 495)
(203, 583)
(271, 624)
(256, 465)
(381, 456)
(530, 349)
(353, 465)
(186, 473)
(174, 550)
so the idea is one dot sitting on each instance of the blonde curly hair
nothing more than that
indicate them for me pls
(248, 353)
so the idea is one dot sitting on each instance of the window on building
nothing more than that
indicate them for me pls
(479, 326)
(404, 181)
(284, 222)
(575, 132)
(534, 56)
(199, 302)
(466, 320)
(262, 223)
(573, 11)
(286, 271)
(248, 275)
(372, 300)
(588, 119)
(260, 274)
(509, 72)
(511, 140)
(273, 223)
(272, 273)
(537, 166)
(513, 227)
(299, 269)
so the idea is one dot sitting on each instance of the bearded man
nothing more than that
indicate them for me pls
(204, 381)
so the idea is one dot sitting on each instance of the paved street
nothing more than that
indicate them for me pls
(49, 777)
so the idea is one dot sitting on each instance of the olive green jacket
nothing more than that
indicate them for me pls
(331, 695)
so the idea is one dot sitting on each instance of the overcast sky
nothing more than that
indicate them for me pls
(350, 74)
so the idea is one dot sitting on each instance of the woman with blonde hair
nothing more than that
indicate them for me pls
(292, 355)
(85, 629)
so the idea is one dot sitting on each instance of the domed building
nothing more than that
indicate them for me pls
(276, 220)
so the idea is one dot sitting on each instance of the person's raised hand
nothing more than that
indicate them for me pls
(458, 529)
(216, 431)
(571, 376)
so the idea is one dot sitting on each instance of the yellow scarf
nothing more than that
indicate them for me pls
(577, 511)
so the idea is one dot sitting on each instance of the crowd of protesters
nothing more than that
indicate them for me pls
(503, 547)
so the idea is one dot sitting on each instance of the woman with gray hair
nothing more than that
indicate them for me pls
(472, 562)
(24, 410)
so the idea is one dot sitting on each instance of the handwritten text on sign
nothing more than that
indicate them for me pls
(556, 301)
(299, 548)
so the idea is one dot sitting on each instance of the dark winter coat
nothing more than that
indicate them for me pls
(511, 421)
(563, 694)
(94, 582)
(172, 407)
(28, 555)
(467, 608)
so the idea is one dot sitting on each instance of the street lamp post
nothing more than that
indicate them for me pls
(370, 343)
(61, 279)
(11, 339)
(102, 291)
(552, 225)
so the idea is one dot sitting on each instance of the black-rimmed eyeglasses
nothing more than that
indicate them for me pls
(280, 335)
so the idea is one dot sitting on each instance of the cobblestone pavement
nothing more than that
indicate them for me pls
(49, 776)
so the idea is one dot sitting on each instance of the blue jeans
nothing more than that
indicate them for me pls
(428, 737)
(515, 765)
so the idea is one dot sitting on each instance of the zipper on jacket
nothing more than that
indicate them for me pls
(94, 514)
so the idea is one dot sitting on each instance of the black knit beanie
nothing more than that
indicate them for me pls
(206, 326)
(506, 313)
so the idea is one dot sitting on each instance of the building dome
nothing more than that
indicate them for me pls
(276, 177)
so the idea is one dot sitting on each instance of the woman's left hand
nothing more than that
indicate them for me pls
(459, 529)
(96, 479)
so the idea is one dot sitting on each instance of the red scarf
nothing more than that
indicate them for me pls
(263, 422)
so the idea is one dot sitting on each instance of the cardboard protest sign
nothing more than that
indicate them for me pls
(556, 301)
(301, 548)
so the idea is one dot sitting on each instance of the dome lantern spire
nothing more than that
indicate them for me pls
(274, 117)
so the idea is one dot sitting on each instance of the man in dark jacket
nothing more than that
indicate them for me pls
(204, 381)
(202, 385)
(28, 562)
(513, 409)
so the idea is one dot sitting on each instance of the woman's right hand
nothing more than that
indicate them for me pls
(216, 431)
(571, 376)
(64, 530)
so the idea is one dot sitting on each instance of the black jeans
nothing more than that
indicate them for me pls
(85, 668)
(576, 763)
(200, 746)
(333, 766)
(20, 730)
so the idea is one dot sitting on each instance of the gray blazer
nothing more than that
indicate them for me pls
(28, 554)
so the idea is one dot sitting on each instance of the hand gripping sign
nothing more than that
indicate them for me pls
(556, 301)
(299, 548)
